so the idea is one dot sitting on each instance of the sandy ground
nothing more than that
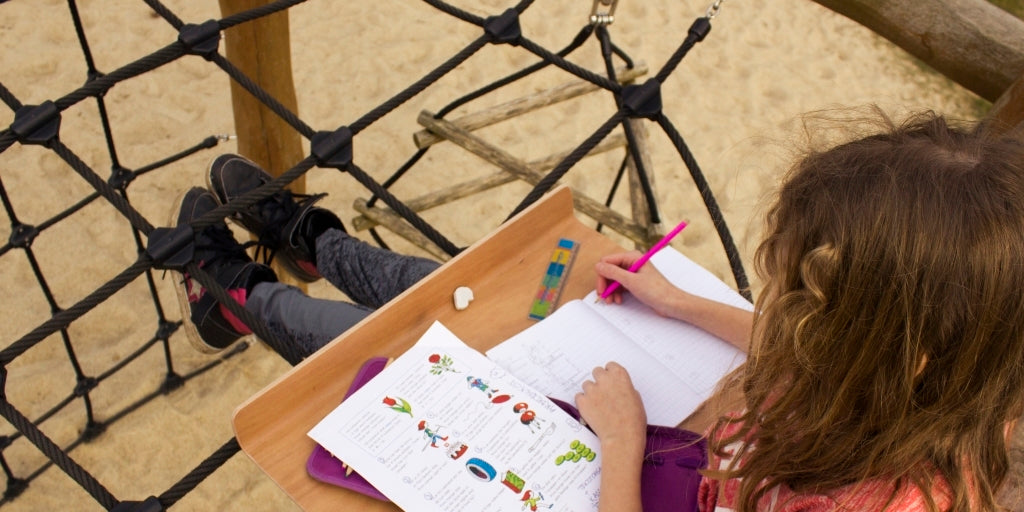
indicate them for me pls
(736, 99)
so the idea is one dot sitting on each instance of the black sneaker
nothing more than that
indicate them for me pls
(210, 326)
(285, 224)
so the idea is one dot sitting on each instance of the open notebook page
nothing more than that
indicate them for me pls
(692, 354)
(674, 365)
(558, 353)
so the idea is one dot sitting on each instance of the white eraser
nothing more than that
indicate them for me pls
(463, 296)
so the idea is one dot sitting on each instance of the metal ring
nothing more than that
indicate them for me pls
(713, 10)
(599, 17)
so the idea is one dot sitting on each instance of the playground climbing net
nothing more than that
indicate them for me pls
(162, 248)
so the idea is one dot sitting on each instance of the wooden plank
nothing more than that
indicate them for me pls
(396, 224)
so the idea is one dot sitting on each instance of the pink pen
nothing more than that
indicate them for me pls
(643, 259)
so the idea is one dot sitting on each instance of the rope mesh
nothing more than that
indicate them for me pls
(39, 125)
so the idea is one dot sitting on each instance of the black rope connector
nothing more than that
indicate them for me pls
(15, 486)
(332, 149)
(120, 177)
(642, 100)
(22, 235)
(172, 248)
(700, 28)
(166, 329)
(94, 75)
(504, 29)
(93, 430)
(150, 505)
(36, 124)
(85, 385)
(201, 39)
(171, 382)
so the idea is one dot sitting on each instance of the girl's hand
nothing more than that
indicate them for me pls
(647, 284)
(612, 408)
(650, 287)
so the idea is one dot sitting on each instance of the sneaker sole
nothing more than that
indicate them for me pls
(191, 331)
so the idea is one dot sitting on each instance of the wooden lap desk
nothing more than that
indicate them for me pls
(504, 270)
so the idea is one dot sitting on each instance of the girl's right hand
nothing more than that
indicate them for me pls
(647, 284)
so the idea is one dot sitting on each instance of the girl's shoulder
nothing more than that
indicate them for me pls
(863, 497)
(874, 495)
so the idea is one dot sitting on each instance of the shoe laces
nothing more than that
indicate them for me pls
(276, 213)
(220, 245)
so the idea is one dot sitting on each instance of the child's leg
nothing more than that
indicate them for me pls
(304, 321)
(368, 275)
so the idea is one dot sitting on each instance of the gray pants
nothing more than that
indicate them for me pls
(369, 275)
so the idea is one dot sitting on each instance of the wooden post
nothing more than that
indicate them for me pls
(974, 43)
(261, 50)
(637, 200)
(1007, 114)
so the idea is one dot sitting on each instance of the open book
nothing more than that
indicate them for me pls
(675, 366)
(442, 428)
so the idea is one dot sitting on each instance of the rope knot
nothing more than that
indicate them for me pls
(642, 100)
(201, 39)
(36, 124)
(504, 29)
(333, 149)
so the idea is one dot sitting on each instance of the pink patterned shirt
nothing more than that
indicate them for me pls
(714, 496)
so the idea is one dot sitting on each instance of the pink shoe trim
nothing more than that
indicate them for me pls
(239, 294)
(308, 267)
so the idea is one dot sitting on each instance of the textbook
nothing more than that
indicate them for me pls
(446, 428)
(443, 428)
(674, 365)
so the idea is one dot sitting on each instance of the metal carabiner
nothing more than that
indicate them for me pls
(597, 17)
(713, 10)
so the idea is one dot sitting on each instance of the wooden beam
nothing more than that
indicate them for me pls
(470, 142)
(522, 105)
(637, 200)
(400, 227)
(477, 185)
(1007, 114)
(974, 43)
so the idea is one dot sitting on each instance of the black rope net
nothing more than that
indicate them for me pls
(52, 127)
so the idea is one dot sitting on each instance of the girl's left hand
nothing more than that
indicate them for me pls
(612, 408)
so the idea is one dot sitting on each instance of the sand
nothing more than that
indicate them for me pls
(736, 99)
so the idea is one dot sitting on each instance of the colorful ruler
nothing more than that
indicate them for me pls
(554, 279)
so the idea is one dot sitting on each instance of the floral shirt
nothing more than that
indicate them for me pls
(717, 496)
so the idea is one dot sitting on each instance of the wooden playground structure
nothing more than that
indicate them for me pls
(972, 42)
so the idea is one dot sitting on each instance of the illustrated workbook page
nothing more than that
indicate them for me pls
(674, 365)
(443, 428)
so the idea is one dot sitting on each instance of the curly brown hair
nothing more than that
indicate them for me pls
(889, 339)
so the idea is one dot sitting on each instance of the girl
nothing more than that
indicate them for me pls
(886, 353)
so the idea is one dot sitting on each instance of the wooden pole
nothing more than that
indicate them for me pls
(262, 51)
(503, 160)
(1007, 114)
(520, 106)
(974, 43)
(477, 185)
